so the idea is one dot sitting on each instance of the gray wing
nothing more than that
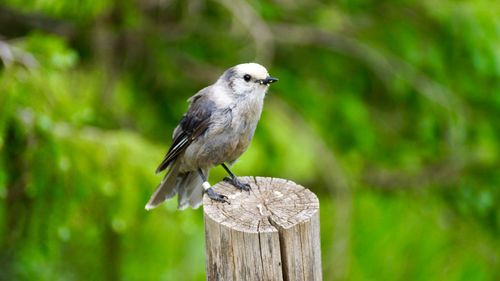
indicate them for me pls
(192, 125)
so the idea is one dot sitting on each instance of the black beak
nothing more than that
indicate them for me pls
(268, 80)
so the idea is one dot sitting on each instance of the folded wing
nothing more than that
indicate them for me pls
(193, 124)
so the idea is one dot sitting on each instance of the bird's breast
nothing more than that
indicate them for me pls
(228, 136)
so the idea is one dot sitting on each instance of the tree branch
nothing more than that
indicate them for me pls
(14, 24)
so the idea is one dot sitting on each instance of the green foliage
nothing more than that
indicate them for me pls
(388, 110)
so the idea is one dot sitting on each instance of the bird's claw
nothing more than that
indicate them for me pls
(216, 196)
(237, 183)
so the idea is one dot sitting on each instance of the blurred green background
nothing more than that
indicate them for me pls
(388, 110)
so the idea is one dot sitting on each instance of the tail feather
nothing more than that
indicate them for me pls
(183, 192)
(196, 198)
(167, 188)
(187, 185)
(190, 191)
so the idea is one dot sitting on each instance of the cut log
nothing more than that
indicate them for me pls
(268, 233)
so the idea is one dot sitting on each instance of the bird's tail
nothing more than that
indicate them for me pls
(190, 190)
(188, 185)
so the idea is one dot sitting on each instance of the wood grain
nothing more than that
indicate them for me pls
(269, 233)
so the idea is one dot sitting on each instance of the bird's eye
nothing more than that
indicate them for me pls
(247, 77)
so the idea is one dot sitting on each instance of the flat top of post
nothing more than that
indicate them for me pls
(270, 204)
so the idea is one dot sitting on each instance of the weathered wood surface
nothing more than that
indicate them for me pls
(269, 233)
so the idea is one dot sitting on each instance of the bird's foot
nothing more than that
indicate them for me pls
(237, 183)
(216, 196)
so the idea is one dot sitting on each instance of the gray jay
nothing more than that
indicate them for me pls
(216, 130)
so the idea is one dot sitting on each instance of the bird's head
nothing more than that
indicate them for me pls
(248, 78)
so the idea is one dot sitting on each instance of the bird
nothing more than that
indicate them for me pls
(216, 130)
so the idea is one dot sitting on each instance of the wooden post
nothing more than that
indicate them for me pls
(269, 233)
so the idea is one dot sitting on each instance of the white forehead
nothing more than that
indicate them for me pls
(254, 69)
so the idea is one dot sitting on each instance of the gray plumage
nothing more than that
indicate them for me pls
(216, 129)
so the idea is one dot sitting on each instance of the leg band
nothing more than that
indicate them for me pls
(206, 185)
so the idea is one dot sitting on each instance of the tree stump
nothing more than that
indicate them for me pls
(269, 233)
